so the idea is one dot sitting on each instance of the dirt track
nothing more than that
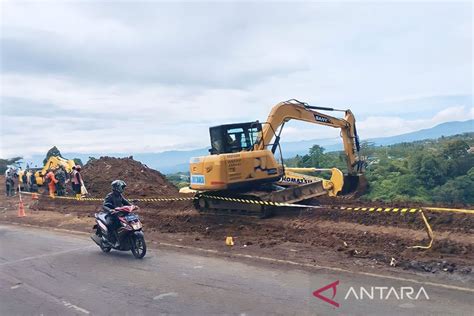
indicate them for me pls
(323, 236)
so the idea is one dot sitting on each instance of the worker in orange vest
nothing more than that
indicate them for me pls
(51, 180)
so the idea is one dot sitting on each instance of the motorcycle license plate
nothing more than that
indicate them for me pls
(131, 217)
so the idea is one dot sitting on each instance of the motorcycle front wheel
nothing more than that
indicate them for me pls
(105, 249)
(138, 247)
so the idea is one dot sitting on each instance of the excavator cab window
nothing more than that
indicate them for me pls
(233, 138)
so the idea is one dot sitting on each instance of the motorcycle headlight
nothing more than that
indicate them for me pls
(136, 225)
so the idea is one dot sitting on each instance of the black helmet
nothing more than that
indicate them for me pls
(118, 186)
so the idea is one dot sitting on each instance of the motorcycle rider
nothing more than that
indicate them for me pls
(113, 200)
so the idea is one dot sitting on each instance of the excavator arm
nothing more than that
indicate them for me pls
(296, 110)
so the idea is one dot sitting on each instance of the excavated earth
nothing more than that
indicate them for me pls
(141, 180)
(323, 236)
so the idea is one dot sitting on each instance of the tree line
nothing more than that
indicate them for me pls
(428, 171)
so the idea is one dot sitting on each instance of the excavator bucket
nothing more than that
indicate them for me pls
(354, 186)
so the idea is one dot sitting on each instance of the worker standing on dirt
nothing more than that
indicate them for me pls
(14, 180)
(9, 186)
(113, 200)
(24, 180)
(33, 184)
(9, 183)
(28, 180)
(51, 180)
(61, 185)
(76, 180)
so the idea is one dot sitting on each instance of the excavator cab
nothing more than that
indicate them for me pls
(234, 138)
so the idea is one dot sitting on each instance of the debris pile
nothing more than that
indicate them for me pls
(141, 180)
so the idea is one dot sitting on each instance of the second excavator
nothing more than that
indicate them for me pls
(242, 163)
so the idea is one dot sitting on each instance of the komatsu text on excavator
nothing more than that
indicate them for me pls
(242, 162)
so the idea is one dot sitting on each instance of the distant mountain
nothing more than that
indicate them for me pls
(177, 160)
(444, 129)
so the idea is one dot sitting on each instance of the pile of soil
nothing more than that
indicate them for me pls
(141, 180)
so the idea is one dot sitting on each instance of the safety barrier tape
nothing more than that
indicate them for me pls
(75, 198)
(379, 209)
(368, 209)
(454, 210)
(429, 231)
(270, 203)
(164, 199)
(63, 197)
(101, 199)
(401, 210)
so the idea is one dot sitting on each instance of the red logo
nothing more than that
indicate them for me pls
(332, 286)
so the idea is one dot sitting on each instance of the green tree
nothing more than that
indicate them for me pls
(457, 190)
(78, 161)
(4, 163)
(316, 158)
(429, 169)
(455, 149)
(457, 158)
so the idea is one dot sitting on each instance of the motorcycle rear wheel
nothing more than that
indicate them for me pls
(104, 248)
(138, 247)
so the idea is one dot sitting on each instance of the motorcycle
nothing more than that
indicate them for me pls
(129, 235)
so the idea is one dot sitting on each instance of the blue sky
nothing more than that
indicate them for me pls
(91, 76)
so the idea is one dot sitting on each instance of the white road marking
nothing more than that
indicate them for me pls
(15, 286)
(77, 308)
(161, 296)
(197, 267)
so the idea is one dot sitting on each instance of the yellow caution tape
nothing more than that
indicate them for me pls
(403, 210)
(164, 199)
(280, 204)
(269, 203)
(455, 210)
(101, 199)
(378, 209)
(429, 231)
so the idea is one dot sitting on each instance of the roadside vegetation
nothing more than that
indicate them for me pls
(428, 171)
(179, 179)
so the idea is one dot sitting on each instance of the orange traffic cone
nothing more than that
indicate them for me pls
(21, 209)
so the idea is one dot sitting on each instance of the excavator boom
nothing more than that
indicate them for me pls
(296, 110)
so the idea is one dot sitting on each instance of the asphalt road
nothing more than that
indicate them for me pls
(49, 273)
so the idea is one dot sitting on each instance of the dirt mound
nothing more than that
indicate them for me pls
(141, 180)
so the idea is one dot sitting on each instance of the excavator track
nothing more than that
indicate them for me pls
(258, 202)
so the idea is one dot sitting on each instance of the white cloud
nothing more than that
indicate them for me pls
(381, 126)
(151, 76)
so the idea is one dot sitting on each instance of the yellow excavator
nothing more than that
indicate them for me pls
(242, 163)
(53, 162)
